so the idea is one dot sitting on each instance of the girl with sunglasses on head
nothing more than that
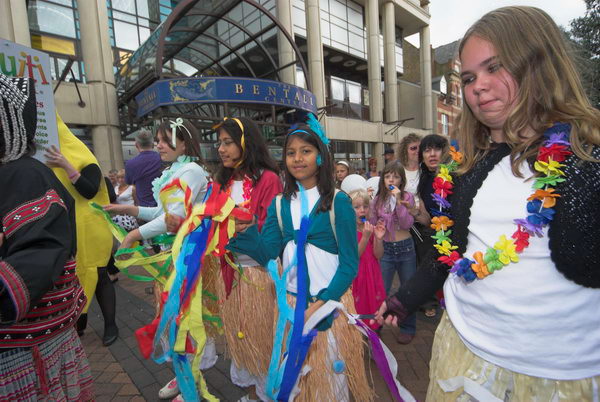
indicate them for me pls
(247, 299)
(522, 296)
(331, 262)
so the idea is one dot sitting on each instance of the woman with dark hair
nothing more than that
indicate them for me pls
(41, 356)
(331, 255)
(250, 176)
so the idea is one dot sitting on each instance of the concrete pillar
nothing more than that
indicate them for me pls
(315, 50)
(375, 104)
(389, 64)
(286, 53)
(14, 24)
(98, 61)
(425, 53)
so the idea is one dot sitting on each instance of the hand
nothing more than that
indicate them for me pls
(54, 158)
(118, 209)
(311, 309)
(173, 222)
(367, 229)
(1, 239)
(379, 230)
(242, 224)
(390, 320)
(395, 191)
(127, 242)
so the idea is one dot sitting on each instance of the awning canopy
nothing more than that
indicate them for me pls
(209, 38)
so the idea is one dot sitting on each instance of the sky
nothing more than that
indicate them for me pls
(451, 18)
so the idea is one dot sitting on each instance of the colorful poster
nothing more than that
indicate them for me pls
(21, 61)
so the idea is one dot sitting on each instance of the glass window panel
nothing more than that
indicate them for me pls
(337, 88)
(124, 17)
(339, 34)
(51, 18)
(354, 90)
(299, 18)
(144, 34)
(356, 52)
(300, 78)
(338, 9)
(142, 8)
(144, 22)
(184, 68)
(325, 31)
(126, 36)
(355, 18)
(339, 22)
(68, 3)
(356, 41)
(124, 5)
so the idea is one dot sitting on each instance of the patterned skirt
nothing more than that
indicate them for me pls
(466, 377)
(56, 370)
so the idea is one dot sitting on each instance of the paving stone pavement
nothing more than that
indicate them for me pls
(122, 374)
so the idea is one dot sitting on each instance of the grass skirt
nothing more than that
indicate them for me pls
(249, 313)
(66, 367)
(451, 358)
(340, 342)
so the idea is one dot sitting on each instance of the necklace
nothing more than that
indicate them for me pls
(540, 209)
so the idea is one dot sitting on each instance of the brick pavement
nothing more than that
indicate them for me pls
(122, 374)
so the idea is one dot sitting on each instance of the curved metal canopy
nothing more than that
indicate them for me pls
(207, 38)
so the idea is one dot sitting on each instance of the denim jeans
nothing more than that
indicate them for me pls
(399, 256)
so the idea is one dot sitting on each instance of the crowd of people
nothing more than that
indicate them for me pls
(497, 224)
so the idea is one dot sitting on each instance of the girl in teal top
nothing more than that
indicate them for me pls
(332, 265)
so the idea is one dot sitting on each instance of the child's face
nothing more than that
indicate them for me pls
(392, 179)
(360, 208)
(490, 91)
(341, 172)
(301, 161)
(228, 150)
(163, 146)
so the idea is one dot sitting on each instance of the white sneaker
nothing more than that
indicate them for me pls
(170, 390)
(178, 398)
(246, 398)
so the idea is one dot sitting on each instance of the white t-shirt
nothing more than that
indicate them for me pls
(126, 197)
(527, 317)
(237, 195)
(412, 180)
(321, 264)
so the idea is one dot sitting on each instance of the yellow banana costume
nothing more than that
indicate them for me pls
(94, 239)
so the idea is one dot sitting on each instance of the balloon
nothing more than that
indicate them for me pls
(353, 182)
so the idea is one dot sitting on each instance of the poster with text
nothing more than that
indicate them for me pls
(21, 61)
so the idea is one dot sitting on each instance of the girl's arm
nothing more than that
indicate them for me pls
(345, 224)
(405, 219)
(379, 232)
(364, 240)
(263, 246)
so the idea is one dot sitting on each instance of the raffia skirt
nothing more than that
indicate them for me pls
(65, 368)
(450, 358)
(248, 316)
(340, 342)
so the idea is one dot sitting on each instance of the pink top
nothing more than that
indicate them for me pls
(394, 218)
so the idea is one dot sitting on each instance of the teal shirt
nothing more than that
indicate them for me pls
(270, 242)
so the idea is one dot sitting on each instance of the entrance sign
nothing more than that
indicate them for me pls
(223, 90)
(21, 61)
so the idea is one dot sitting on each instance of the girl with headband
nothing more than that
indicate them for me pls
(247, 299)
(517, 239)
(331, 265)
(176, 142)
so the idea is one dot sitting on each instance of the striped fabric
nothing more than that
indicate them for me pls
(56, 370)
(29, 212)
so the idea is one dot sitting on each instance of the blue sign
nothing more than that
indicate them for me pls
(223, 90)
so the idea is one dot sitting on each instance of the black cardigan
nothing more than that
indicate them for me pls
(574, 234)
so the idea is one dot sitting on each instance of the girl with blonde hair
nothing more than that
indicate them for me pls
(522, 295)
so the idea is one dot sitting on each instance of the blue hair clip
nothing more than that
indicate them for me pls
(319, 160)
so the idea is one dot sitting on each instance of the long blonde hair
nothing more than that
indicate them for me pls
(532, 49)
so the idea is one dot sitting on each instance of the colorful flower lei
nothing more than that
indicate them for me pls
(554, 150)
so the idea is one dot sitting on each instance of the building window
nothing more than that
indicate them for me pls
(445, 124)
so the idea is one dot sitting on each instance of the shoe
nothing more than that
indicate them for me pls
(110, 336)
(404, 339)
(430, 312)
(246, 398)
(171, 390)
(178, 398)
